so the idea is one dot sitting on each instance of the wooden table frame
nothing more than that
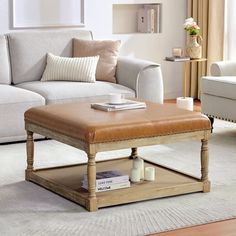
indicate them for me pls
(92, 200)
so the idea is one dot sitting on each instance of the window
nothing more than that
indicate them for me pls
(230, 30)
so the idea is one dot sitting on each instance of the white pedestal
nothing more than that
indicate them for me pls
(185, 103)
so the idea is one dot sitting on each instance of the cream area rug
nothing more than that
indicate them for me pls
(27, 209)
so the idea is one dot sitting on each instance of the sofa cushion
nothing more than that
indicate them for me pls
(107, 51)
(13, 103)
(28, 50)
(81, 69)
(62, 91)
(223, 86)
(5, 77)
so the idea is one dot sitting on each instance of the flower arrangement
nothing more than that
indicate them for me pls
(191, 26)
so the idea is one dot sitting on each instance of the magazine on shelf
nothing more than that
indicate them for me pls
(183, 58)
(103, 188)
(107, 178)
(124, 105)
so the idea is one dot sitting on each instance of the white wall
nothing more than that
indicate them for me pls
(4, 16)
(98, 18)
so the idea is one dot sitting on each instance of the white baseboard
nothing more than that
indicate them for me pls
(172, 95)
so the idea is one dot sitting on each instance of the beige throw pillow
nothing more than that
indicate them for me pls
(107, 51)
(81, 69)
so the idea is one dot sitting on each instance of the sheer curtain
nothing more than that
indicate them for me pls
(209, 15)
(230, 30)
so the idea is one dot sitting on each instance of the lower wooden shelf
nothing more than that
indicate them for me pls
(66, 181)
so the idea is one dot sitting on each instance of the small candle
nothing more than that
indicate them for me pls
(150, 173)
(177, 52)
(135, 175)
(139, 164)
(185, 103)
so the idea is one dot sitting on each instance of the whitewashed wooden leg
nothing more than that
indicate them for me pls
(30, 154)
(91, 171)
(204, 165)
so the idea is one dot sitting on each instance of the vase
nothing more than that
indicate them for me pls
(194, 48)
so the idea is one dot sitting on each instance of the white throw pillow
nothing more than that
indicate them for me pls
(81, 69)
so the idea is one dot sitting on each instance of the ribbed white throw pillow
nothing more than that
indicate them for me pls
(81, 69)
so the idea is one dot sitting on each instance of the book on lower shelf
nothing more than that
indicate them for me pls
(108, 180)
(125, 105)
(183, 58)
(109, 187)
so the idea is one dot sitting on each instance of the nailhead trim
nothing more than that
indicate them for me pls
(117, 140)
(217, 117)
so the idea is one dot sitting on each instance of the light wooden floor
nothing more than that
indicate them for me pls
(221, 228)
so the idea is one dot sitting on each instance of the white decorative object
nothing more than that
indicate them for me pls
(139, 164)
(146, 20)
(135, 175)
(185, 103)
(149, 173)
(81, 69)
(115, 98)
(142, 20)
(44, 13)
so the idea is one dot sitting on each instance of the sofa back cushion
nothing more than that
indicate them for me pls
(5, 75)
(28, 50)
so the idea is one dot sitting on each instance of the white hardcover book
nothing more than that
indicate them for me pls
(107, 177)
(157, 19)
(150, 20)
(125, 105)
(156, 8)
(110, 187)
(142, 20)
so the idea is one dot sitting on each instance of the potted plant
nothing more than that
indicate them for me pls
(194, 48)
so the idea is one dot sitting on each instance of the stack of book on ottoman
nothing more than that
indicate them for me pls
(108, 180)
(124, 105)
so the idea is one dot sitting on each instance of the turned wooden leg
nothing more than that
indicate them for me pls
(91, 171)
(204, 165)
(134, 153)
(30, 154)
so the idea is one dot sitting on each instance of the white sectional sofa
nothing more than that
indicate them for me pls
(218, 97)
(22, 63)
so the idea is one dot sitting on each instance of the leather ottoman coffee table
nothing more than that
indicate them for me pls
(93, 131)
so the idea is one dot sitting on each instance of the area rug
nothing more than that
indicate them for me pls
(27, 209)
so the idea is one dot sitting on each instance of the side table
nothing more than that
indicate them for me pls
(186, 102)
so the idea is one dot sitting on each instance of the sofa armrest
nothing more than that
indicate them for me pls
(223, 68)
(144, 77)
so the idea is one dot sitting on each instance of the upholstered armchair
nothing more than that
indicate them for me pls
(218, 92)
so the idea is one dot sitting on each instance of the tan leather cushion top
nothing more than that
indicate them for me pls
(107, 51)
(79, 121)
